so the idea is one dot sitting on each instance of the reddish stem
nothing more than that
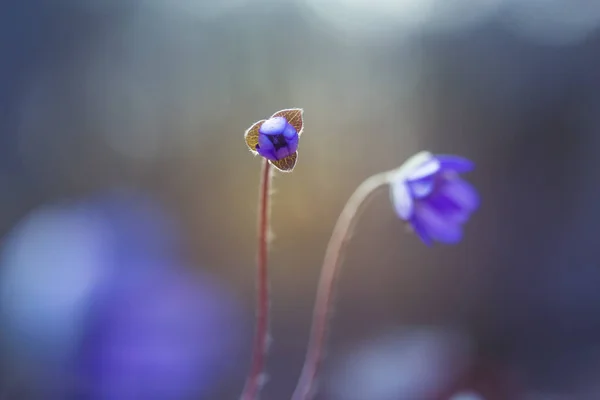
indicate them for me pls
(329, 271)
(259, 350)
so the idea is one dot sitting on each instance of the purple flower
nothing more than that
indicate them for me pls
(276, 138)
(164, 334)
(428, 192)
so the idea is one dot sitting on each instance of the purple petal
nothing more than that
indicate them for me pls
(273, 126)
(290, 133)
(449, 208)
(455, 163)
(292, 141)
(403, 202)
(425, 170)
(461, 193)
(265, 147)
(421, 188)
(282, 153)
(420, 231)
(293, 116)
(268, 154)
(442, 203)
(437, 225)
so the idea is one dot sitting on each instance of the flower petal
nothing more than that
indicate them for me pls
(286, 164)
(437, 225)
(425, 170)
(455, 163)
(421, 188)
(294, 117)
(401, 199)
(417, 228)
(273, 126)
(282, 153)
(461, 193)
(446, 206)
(251, 135)
(266, 148)
(290, 133)
(410, 165)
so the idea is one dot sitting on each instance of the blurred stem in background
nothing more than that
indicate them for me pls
(255, 377)
(331, 265)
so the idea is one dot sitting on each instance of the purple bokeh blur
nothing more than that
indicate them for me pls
(97, 304)
(163, 335)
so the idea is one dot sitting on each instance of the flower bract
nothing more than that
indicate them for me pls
(277, 138)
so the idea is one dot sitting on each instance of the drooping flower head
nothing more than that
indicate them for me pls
(276, 138)
(429, 194)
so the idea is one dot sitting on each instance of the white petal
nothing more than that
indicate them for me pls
(424, 170)
(401, 199)
(411, 164)
(417, 159)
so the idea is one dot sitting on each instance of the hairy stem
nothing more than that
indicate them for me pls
(329, 271)
(253, 382)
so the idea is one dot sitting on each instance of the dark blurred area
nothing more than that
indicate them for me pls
(128, 204)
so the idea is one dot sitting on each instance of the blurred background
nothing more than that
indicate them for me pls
(128, 197)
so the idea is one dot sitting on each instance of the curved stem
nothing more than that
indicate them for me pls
(253, 382)
(329, 271)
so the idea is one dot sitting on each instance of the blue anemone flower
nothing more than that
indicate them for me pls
(277, 138)
(429, 194)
